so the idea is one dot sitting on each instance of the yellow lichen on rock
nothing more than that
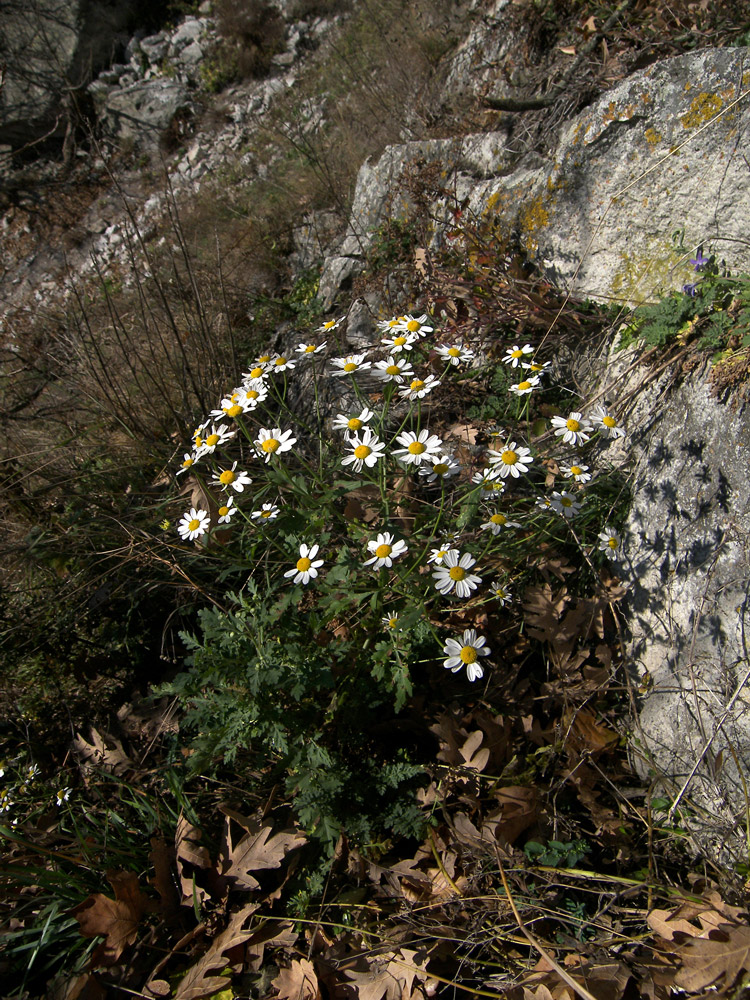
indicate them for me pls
(702, 109)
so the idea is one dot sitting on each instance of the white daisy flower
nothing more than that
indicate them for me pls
(610, 542)
(512, 460)
(417, 448)
(501, 593)
(193, 524)
(418, 387)
(354, 423)
(227, 511)
(267, 512)
(231, 478)
(489, 480)
(272, 442)
(255, 392)
(391, 621)
(389, 325)
(233, 406)
(604, 421)
(544, 503)
(6, 800)
(537, 367)
(393, 369)
(416, 325)
(574, 429)
(350, 365)
(31, 772)
(307, 566)
(330, 324)
(256, 374)
(219, 436)
(263, 360)
(311, 348)
(453, 573)
(578, 473)
(465, 652)
(400, 341)
(367, 448)
(565, 503)
(525, 386)
(437, 555)
(384, 550)
(497, 521)
(62, 796)
(280, 363)
(188, 460)
(515, 354)
(454, 354)
(441, 467)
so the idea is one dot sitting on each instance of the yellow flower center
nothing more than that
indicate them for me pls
(612, 542)
(393, 370)
(516, 354)
(194, 524)
(223, 511)
(279, 362)
(509, 457)
(575, 470)
(331, 323)
(498, 519)
(253, 394)
(440, 468)
(417, 384)
(566, 501)
(457, 573)
(572, 425)
(265, 513)
(412, 326)
(609, 421)
(417, 448)
(383, 551)
(499, 592)
(354, 424)
(453, 352)
(303, 564)
(468, 654)
(187, 463)
(270, 445)
(523, 386)
(233, 411)
(198, 441)
(263, 359)
(212, 440)
(392, 622)
(310, 349)
(227, 477)
(399, 341)
(350, 367)
(256, 372)
(393, 322)
(362, 451)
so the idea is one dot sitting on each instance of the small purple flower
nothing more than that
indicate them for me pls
(699, 262)
(689, 290)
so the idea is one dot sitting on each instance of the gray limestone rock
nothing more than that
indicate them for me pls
(49, 50)
(143, 111)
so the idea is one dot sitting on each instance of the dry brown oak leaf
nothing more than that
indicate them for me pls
(203, 979)
(116, 920)
(720, 956)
